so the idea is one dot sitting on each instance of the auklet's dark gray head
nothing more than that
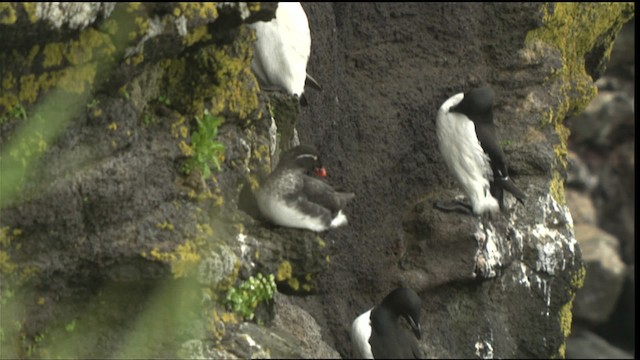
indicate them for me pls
(304, 157)
(293, 196)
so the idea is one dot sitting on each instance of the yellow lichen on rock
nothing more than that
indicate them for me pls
(574, 29)
(199, 10)
(284, 271)
(7, 14)
(200, 33)
(566, 316)
(30, 9)
(183, 260)
(77, 57)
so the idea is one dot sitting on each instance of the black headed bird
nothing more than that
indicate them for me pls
(377, 333)
(282, 49)
(468, 144)
(292, 196)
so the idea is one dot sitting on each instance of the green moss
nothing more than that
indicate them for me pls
(574, 29)
(30, 9)
(556, 188)
(183, 259)
(7, 14)
(17, 273)
(195, 10)
(200, 33)
(77, 57)
(565, 314)
(53, 55)
(284, 271)
(217, 78)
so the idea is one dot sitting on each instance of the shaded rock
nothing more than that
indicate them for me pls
(581, 206)
(620, 329)
(615, 197)
(578, 174)
(383, 82)
(601, 119)
(605, 274)
(251, 341)
(118, 252)
(292, 319)
(584, 344)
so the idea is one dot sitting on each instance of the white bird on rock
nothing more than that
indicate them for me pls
(281, 51)
(291, 197)
(468, 144)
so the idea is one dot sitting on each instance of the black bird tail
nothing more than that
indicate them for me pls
(497, 191)
(303, 100)
(508, 185)
(313, 83)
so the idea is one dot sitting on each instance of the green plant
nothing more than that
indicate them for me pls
(70, 326)
(206, 148)
(125, 94)
(245, 298)
(18, 111)
(164, 100)
(506, 143)
(93, 103)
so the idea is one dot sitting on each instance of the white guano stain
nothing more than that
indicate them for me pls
(74, 15)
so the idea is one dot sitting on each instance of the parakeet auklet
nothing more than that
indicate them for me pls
(291, 196)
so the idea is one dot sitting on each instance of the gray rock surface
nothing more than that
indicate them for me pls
(584, 344)
(109, 248)
(601, 146)
(605, 274)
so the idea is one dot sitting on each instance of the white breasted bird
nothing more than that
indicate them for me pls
(377, 334)
(282, 49)
(292, 197)
(468, 144)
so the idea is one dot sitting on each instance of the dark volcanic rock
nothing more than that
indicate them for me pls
(384, 81)
(115, 241)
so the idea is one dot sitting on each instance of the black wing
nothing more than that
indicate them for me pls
(322, 194)
(501, 180)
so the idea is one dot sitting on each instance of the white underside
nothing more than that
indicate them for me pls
(464, 156)
(339, 220)
(282, 48)
(360, 334)
(281, 214)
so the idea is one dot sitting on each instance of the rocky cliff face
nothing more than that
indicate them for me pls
(601, 189)
(118, 240)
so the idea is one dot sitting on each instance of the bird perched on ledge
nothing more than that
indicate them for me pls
(290, 196)
(376, 334)
(281, 51)
(468, 144)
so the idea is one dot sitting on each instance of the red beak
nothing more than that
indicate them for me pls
(321, 171)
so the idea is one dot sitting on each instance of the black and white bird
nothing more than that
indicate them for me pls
(282, 49)
(377, 333)
(468, 144)
(291, 196)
